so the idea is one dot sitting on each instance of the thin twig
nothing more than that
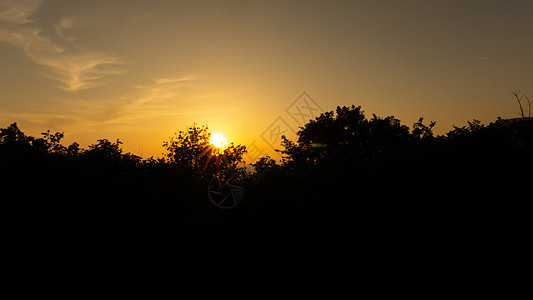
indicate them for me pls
(529, 102)
(515, 93)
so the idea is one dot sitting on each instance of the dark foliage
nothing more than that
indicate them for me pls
(192, 149)
(343, 171)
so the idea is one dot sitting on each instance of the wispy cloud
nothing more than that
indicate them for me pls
(145, 104)
(38, 121)
(162, 81)
(159, 100)
(18, 11)
(162, 88)
(175, 96)
(481, 57)
(75, 67)
(63, 26)
(154, 100)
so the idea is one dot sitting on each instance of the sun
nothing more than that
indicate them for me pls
(218, 140)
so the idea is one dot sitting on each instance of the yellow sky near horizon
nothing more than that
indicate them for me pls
(141, 71)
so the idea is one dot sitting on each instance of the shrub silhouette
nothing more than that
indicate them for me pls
(343, 170)
(377, 170)
(193, 150)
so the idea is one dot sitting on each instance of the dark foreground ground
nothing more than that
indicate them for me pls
(243, 239)
(457, 202)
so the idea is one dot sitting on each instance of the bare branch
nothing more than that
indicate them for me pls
(529, 102)
(516, 93)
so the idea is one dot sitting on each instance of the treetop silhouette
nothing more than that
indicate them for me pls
(193, 150)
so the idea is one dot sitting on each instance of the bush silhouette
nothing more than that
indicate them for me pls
(193, 150)
(343, 170)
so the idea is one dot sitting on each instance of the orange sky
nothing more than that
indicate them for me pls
(142, 70)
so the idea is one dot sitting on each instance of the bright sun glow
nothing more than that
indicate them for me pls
(218, 140)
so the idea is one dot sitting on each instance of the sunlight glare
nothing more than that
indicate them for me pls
(218, 140)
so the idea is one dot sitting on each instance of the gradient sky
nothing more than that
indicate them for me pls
(143, 70)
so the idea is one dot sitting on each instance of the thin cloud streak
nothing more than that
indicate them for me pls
(63, 26)
(18, 11)
(75, 67)
(162, 99)
(39, 121)
(145, 102)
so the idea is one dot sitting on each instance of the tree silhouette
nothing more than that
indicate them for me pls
(519, 99)
(344, 139)
(421, 131)
(106, 151)
(14, 141)
(342, 171)
(192, 149)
